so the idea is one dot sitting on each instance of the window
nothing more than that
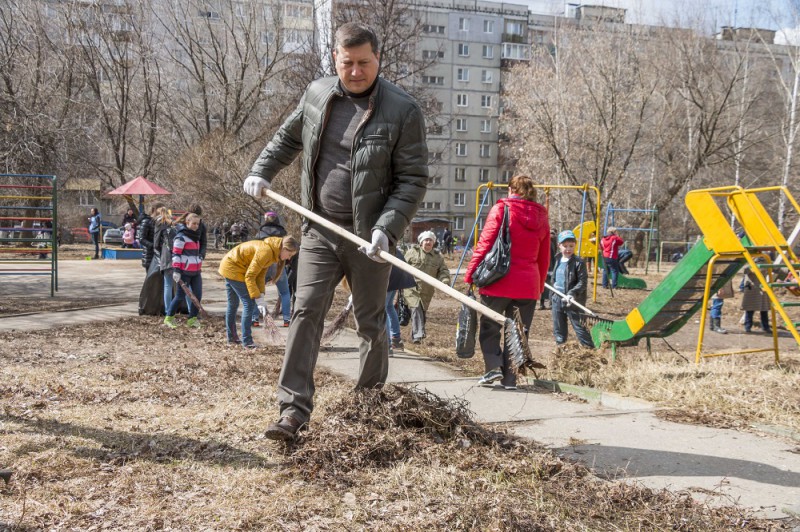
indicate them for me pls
(297, 10)
(461, 149)
(460, 199)
(433, 80)
(85, 198)
(484, 175)
(488, 51)
(434, 156)
(463, 24)
(461, 124)
(434, 180)
(486, 126)
(486, 150)
(516, 51)
(461, 174)
(462, 74)
(486, 76)
(431, 205)
(486, 100)
(461, 100)
(514, 28)
(429, 28)
(458, 223)
(435, 129)
(488, 26)
(506, 176)
(432, 54)
(267, 37)
(463, 49)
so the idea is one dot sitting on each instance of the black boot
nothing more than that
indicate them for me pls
(716, 327)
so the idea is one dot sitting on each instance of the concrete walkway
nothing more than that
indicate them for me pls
(620, 438)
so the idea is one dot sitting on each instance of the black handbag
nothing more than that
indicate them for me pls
(403, 312)
(497, 262)
(466, 329)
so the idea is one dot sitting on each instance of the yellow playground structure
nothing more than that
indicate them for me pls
(712, 263)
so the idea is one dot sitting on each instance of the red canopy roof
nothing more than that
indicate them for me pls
(140, 186)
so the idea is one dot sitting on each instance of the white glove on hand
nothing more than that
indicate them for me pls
(255, 185)
(176, 276)
(568, 300)
(380, 242)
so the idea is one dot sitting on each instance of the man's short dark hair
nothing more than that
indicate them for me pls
(353, 34)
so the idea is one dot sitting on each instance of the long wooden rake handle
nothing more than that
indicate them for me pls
(388, 257)
(556, 292)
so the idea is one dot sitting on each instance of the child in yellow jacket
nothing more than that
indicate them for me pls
(244, 269)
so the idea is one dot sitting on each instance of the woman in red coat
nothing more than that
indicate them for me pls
(522, 286)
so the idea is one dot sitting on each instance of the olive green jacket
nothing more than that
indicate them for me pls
(389, 159)
(431, 263)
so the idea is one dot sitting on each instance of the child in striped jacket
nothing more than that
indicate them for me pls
(186, 265)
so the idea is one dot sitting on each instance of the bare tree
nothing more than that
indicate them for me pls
(120, 103)
(640, 116)
(37, 90)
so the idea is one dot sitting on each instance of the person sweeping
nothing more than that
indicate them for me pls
(244, 269)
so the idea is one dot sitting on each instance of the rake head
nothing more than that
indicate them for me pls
(337, 324)
(516, 342)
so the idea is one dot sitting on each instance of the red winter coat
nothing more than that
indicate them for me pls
(610, 245)
(530, 249)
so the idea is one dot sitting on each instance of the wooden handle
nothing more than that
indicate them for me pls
(573, 300)
(388, 257)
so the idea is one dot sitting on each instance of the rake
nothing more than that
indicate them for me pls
(513, 332)
(194, 299)
(587, 315)
(338, 323)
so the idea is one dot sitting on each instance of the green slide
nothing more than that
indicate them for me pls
(673, 302)
(623, 281)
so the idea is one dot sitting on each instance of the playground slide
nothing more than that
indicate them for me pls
(625, 281)
(673, 302)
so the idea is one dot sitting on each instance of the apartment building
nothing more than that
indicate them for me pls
(470, 42)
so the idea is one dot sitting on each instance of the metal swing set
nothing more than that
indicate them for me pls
(484, 195)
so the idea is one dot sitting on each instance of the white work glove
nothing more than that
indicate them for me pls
(255, 185)
(380, 242)
(176, 276)
(568, 300)
(262, 311)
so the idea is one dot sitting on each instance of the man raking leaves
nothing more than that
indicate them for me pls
(365, 167)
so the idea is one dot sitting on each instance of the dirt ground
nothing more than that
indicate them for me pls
(132, 426)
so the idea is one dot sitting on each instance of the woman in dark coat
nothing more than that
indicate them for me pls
(522, 286)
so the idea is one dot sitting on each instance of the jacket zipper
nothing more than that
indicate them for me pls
(313, 170)
(364, 120)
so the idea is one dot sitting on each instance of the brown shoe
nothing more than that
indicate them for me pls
(284, 430)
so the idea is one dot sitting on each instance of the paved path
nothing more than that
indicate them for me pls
(620, 438)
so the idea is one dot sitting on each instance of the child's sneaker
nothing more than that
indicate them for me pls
(169, 321)
(256, 324)
(285, 323)
(193, 323)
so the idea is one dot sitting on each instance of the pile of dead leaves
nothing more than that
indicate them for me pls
(576, 364)
(379, 428)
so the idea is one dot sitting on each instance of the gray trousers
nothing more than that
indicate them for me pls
(323, 260)
(418, 322)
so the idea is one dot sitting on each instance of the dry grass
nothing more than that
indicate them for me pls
(131, 426)
(741, 391)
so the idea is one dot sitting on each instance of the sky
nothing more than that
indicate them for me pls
(779, 15)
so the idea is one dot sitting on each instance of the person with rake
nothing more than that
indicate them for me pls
(521, 287)
(365, 168)
(427, 259)
(569, 276)
(244, 269)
